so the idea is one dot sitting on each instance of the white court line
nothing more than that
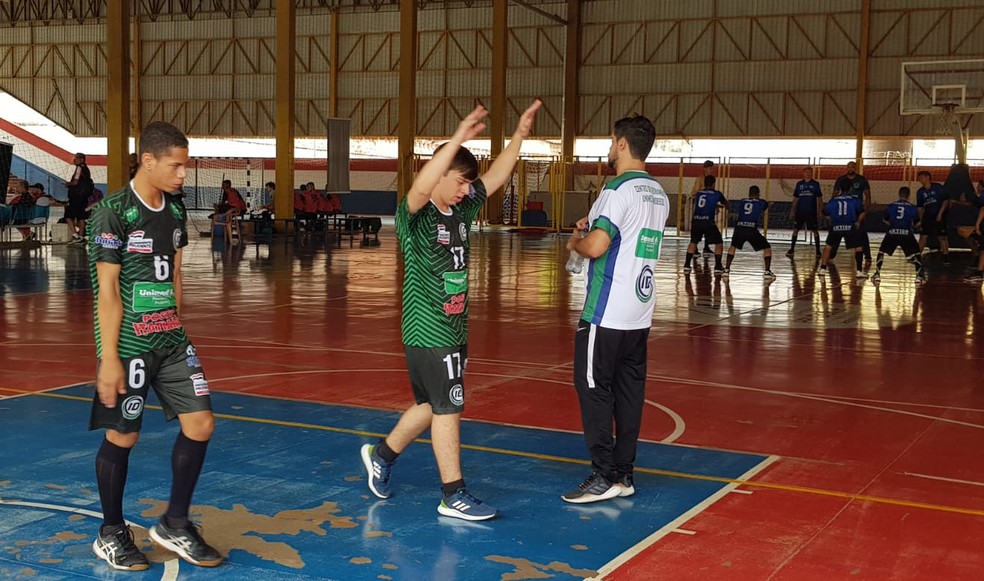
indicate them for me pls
(678, 424)
(684, 532)
(672, 526)
(944, 479)
(171, 566)
(27, 393)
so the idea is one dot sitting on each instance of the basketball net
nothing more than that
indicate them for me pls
(950, 122)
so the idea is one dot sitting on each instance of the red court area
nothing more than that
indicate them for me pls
(870, 399)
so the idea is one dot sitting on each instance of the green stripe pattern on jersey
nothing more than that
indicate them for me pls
(435, 282)
(123, 230)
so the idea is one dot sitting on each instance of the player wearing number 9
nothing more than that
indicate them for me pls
(136, 236)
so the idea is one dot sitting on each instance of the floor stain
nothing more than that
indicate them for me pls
(56, 486)
(241, 529)
(360, 560)
(62, 537)
(526, 569)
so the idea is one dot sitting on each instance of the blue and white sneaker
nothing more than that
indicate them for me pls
(379, 471)
(463, 505)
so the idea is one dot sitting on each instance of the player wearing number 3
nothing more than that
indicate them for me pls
(135, 241)
(432, 225)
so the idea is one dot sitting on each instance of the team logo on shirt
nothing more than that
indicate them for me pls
(107, 240)
(457, 395)
(644, 284)
(177, 238)
(137, 243)
(192, 359)
(443, 236)
(463, 231)
(131, 214)
(132, 407)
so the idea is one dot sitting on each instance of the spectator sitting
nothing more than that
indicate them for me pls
(232, 197)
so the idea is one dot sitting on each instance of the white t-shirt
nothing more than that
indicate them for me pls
(632, 209)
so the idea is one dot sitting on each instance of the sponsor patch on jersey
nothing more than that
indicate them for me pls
(457, 395)
(463, 231)
(649, 243)
(131, 214)
(455, 282)
(456, 305)
(152, 296)
(132, 407)
(137, 243)
(192, 358)
(644, 285)
(160, 322)
(443, 236)
(200, 384)
(107, 240)
(177, 238)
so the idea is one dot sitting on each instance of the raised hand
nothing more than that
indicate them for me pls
(525, 124)
(470, 126)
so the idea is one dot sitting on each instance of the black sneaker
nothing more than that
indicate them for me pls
(117, 548)
(187, 543)
(624, 484)
(977, 276)
(595, 488)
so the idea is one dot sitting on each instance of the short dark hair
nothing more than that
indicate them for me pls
(708, 163)
(464, 162)
(271, 185)
(81, 155)
(809, 167)
(709, 181)
(226, 183)
(303, 187)
(754, 191)
(924, 173)
(639, 133)
(158, 138)
(904, 191)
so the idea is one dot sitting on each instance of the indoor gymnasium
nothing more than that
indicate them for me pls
(491, 290)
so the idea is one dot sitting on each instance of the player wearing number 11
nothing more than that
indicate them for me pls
(135, 241)
(846, 213)
(432, 225)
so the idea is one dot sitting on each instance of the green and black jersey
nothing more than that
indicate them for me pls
(143, 241)
(435, 285)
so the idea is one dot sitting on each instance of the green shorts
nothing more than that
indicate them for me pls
(437, 376)
(176, 376)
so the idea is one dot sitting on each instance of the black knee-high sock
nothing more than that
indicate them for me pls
(731, 258)
(112, 463)
(690, 256)
(859, 260)
(792, 242)
(881, 260)
(768, 262)
(186, 464)
(717, 262)
(816, 240)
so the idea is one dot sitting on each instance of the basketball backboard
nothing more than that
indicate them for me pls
(927, 87)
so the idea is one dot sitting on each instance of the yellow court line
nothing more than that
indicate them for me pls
(533, 455)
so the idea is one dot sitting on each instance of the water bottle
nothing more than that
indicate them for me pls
(575, 264)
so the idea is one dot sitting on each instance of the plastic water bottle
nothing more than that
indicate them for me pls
(575, 264)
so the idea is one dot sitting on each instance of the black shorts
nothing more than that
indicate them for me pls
(707, 230)
(76, 209)
(891, 242)
(176, 376)
(743, 234)
(852, 238)
(437, 377)
(805, 221)
(932, 228)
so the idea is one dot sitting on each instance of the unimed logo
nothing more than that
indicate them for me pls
(644, 284)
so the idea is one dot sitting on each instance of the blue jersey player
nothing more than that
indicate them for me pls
(805, 211)
(750, 211)
(846, 213)
(707, 202)
(902, 218)
(859, 188)
(932, 202)
(978, 275)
